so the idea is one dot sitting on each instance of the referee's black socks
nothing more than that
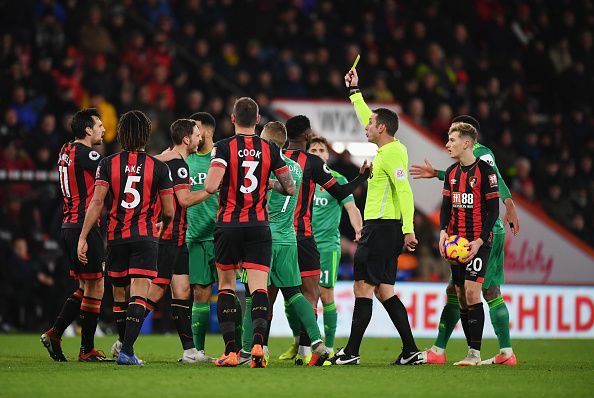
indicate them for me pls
(361, 318)
(227, 313)
(397, 313)
(476, 322)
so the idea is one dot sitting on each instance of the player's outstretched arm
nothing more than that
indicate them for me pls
(351, 80)
(423, 171)
(187, 198)
(355, 218)
(338, 191)
(93, 213)
(214, 178)
(167, 155)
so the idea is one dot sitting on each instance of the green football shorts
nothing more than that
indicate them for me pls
(495, 275)
(329, 260)
(202, 262)
(284, 266)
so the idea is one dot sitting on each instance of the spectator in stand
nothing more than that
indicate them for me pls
(94, 37)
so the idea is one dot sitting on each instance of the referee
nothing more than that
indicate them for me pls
(389, 211)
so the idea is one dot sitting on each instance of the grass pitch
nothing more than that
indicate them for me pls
(547, 368)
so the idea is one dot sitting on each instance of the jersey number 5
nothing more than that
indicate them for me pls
(251, 166)
(134, 192)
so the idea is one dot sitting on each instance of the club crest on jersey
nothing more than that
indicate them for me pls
(493, 180)
(472, 181)
(94, 155)
(182, 172)
(453, 181)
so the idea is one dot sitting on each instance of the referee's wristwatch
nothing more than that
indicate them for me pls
(353, 90)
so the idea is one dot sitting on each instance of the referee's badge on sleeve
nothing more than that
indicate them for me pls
(400, 174)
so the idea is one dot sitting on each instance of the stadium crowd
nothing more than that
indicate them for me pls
(523, 68)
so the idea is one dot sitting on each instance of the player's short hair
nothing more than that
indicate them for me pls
(388, 118)
(246, 112)
(83, 119)
(465, 130)
(180, 129)
(276, 132)
(297, 126)
(134, 130)
(205, 118)
(319, 140)
(469, 120)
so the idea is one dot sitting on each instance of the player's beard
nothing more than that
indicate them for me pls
(199, 146)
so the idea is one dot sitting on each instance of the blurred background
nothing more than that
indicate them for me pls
(524, 69)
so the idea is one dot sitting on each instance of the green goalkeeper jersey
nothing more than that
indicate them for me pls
(201, 217)
(281, 209)
(326, 216)
(484, 153)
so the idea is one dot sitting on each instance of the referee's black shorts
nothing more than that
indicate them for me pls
(376, 258)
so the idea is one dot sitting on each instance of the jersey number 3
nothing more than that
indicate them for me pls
(251, 166)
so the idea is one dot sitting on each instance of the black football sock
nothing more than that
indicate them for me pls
(269, 322)
(226, 313)
(238, 322)
(181, 314)
(464, 322)
(399, 317)
(89, 314)
(150, 305)
(476, 322)
(259, 315)
(69, 312)
(134, 318)
(361, 317)
(119, 314)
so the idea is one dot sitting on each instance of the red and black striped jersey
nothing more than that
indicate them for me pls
(176, 230)
(315, 171)
(248, 161)
(469, 188)
(134, 180)
(76, 167)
